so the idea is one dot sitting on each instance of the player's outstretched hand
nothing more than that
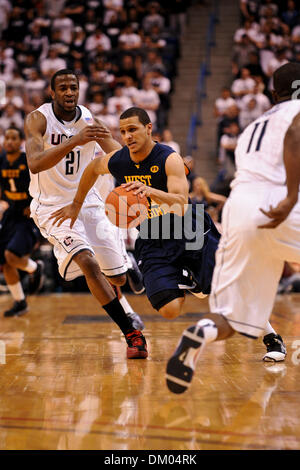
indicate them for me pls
(96, 132)
(278, 214)
(68, 212)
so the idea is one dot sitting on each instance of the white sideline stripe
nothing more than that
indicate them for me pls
(192, 336)
(177, 381)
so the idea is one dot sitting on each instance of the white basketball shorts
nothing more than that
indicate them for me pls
(92, 231)
(249, 260)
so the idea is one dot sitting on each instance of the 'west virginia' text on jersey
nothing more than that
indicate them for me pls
(150, 171)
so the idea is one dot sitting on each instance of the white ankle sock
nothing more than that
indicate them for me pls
(31, 266)
(125, 304)
(16, 291)
(209, 328)
(269, 329)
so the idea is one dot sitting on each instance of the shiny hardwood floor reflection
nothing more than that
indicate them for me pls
(67, 384)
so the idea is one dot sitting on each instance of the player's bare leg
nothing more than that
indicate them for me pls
(35, 269)
(136, 319)
(172, 309)
(104, 293)
(14, 285)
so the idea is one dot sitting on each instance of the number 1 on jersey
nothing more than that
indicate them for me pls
(258, 144)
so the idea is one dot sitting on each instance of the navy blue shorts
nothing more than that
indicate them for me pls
(17, 237)
(161, 263)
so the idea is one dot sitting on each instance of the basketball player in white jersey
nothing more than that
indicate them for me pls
(60, 142)
(261, 230)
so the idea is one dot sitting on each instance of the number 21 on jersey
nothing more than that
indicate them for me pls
(262, 127)
(72, 166)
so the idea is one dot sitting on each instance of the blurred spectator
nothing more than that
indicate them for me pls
(148, 99)
(274, 63)
(129, 40)
(59, 44)
(167, 139)
(35, 83)
(242, 86)
(98, 41)
(126, 69)
(96, 104)
(249, 8)
(190, 163)
(129, 88)
(111, 7)
(156, 39)
(111, 120)
(248, 29)
(241, 53)
(75, 10)
(114, 28)
(18, 82)
(13, 98)
(223, 103)
(290, 280)
(178, 16)
(52, 63)
(249, 110)
(118, 103)
(28, 66)
(213, 202)
(228, 143)
(253, 65)
(53, 9)
(18, 23)
(153, 17)
(295, 36)
(269, 5)
(202, 194)
(11, 117)
(7, 65)
(83, 88)
(65, 25)
(152, 61)
(5, 9)
(291, 14)
(89, 24)
(162, 86)
(77, 46)
(36, 43)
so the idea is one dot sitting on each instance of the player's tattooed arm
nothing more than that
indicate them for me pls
(291, 157)
(40, 159)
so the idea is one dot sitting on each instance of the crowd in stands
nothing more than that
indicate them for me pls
(124, 51)
(268, 37)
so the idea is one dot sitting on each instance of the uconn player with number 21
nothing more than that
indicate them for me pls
(60, 142)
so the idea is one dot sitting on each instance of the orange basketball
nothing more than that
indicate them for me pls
(125, 209)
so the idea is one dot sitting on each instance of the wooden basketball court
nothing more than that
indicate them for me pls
(67, 384)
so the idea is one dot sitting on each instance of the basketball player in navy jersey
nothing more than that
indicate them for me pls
(60, 142)
(153, 170)
(18, 233)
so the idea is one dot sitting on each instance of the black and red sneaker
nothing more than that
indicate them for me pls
(137, 346)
